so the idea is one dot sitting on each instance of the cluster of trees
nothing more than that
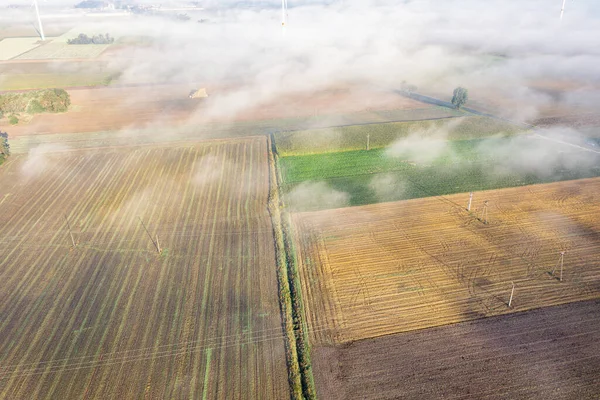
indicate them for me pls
(460, 97)
(96, 39)
(101, 4)
(4, 146)
(33, 102)
(91, 4)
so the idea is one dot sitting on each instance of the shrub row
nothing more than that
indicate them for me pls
(35, 101)
(96, 39)
(285, 300)
(297, 348)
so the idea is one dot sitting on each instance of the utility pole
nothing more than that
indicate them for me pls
(561, 262)
(512, 292)
(156, 244)
(470, 201)
(368, 141)
(484, 212)
(70, 233)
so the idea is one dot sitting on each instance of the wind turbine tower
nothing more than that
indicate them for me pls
(37, 12)
(283, 13)
(562, 10)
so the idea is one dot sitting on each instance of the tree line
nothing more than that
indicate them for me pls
(96, 39)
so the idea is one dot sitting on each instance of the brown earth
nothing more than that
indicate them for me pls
(394, 267)
(113, 318)
(574, 121)
(549, 353)
(163, 106)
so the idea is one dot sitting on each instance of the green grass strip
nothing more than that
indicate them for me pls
(207, 373)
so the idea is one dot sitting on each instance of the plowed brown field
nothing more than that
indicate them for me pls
(394, 267)
(549, 353)
(113, 318)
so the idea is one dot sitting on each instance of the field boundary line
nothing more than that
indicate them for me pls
(567, 143)
(290, 323)
(282, 228)
(174, 143)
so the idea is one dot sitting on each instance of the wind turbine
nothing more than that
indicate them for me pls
(37, 12)
(283, 13)
(562, 10)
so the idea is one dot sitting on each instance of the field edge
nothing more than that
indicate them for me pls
(297, 345)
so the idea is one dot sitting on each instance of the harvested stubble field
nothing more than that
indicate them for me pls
(396, 267)
(165, 106)
(113, 318)
(548, 353)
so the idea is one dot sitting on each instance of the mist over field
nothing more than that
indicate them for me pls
(495, 47)
(517, 59)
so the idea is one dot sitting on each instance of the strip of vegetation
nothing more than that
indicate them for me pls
(331, 180)
(297, 348)
(96, 39)
(285, 301)
(4, 147)
(35, 102)
(373, 136)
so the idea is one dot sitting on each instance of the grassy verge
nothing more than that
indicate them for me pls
(379, 135)
(297, 348)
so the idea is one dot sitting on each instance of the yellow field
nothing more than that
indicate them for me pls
(393, 267)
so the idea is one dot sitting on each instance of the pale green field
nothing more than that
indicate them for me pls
(13, 81)
(12, 47)
(60, 50)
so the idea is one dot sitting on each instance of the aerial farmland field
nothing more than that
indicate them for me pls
(413, 167)
(12, 47)
(547, 353)
(145, 272)
(395, 267)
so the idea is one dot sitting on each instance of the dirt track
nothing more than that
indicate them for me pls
(550, 353)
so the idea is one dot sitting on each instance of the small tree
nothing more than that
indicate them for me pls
(407, 88)
(460, 98)
(4, 146)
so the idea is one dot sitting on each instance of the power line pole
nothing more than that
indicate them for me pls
(156, 244)
(512, 292)
(470, 201)
(560, 261)
(70, 233)
(484, 212)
